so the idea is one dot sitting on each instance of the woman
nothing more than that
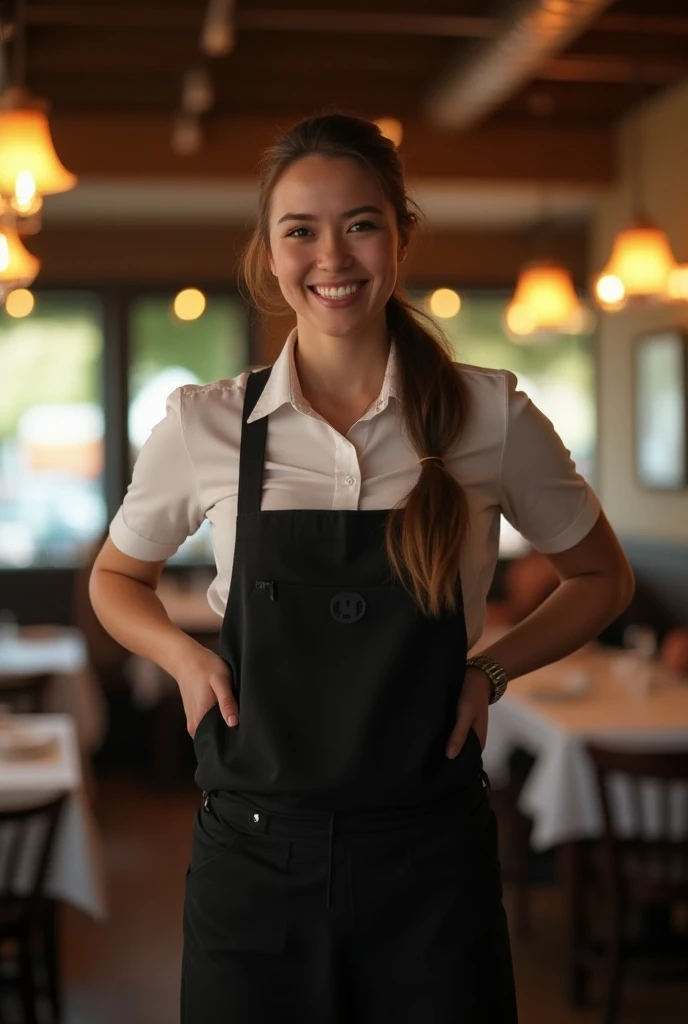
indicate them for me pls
(344, 862)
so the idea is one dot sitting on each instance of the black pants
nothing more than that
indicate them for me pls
(389, 919)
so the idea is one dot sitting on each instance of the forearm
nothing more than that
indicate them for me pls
(133, 614)
(577, 611)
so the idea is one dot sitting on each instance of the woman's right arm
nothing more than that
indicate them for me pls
(123, 594)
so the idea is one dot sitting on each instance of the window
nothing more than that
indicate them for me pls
(165, 353)
(52, 504)
(559, 375)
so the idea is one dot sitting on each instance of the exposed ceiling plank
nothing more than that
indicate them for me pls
(138, 147)
(589, 68)
(478, 82)
(266, 20)
(373, 23)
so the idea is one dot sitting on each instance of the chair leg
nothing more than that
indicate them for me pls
(52, 961)
(27, 981)
(612, 992)
(571, 863)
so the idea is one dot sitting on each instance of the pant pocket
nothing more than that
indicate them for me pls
(236, 901)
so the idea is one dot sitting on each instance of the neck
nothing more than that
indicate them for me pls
(341, 370)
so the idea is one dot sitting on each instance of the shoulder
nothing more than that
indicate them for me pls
(490, 393)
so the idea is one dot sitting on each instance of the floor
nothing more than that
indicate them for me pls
(126, 971)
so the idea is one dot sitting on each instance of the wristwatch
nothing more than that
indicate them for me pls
(494, 672)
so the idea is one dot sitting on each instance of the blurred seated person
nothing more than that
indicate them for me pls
(526, 582)
(673, 651)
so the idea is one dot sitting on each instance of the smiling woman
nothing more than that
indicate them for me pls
(344, 860)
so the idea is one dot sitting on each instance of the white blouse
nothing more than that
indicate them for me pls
(509, 460)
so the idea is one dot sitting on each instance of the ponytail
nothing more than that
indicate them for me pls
(426, 530)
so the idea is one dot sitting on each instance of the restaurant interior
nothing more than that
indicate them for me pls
(546, 143)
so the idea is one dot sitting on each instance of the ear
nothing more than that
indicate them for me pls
(271, 261)
(404, 243)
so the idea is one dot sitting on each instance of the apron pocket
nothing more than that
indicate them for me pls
(236, 900)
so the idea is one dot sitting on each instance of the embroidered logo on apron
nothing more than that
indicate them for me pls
(347, 608)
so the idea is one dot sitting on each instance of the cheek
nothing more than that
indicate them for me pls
(289, 266)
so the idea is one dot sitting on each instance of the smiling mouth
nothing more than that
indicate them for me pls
(337, 292)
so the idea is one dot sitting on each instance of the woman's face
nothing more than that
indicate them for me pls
(334, 245)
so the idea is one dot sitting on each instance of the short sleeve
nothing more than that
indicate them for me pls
(542, 494)
(161, 507)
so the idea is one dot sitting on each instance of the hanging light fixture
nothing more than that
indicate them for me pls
(18, 268)
(29, 165)
(546, 291)
(641, 257)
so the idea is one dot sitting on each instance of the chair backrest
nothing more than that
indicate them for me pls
(27, 836)
(644, 800)
(25, 694)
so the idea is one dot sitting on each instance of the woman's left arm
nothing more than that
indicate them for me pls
(596, 585)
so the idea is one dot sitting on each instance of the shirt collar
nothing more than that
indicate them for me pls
(283, 384)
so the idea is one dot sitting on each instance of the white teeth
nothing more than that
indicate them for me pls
(337, 293)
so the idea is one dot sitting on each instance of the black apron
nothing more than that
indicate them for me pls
(333, 804)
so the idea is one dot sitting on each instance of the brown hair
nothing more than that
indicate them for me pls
(426, 529)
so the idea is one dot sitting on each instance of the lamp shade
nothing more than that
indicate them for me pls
(27, 155)
(642, 260)
(18, 268)
(544, 298)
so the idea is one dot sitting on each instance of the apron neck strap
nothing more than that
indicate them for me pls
(253, 437)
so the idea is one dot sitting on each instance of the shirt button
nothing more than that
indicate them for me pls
(349, 481)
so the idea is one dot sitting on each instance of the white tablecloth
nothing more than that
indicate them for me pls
(560, 793)
(76, 872)
(60, 653)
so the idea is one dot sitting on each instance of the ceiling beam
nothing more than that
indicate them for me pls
(373, 23)
(139, 147)
(533, 33)
(616, 70)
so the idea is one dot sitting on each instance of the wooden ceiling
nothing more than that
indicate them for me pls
(375, 57)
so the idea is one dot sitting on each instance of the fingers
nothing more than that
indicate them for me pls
(459, 732)
(222, 688)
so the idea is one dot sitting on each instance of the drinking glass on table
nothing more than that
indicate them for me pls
(640, 643)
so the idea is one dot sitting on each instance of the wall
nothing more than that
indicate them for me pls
(640, 515)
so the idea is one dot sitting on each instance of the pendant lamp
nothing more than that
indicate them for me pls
(18, 268)
(641, 258)
(544, 299)
(29, 165)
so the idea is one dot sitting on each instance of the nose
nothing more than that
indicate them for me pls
(333, 254)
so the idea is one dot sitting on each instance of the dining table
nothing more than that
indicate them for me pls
(59, 652)
(597, 695)
(44, 761)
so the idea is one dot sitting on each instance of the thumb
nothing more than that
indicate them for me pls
(221, 684)
(460, 730)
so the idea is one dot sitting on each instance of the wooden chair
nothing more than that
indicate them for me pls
(28, 923)
(24, 694)
(647, 869)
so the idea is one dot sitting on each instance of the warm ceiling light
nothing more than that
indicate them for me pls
(445, 303)
(545, 289)
(19, 303)
(392, 129)
(610, 292)
(18, 268)
(677, 287)
(520, 320)
(29, 165)
(187, 135)
(642, 260)
(218, 34)
(189, 304)
(198, 95)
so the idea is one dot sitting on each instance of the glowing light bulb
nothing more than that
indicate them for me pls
(445, 303)
(19, 302)
(189, 304)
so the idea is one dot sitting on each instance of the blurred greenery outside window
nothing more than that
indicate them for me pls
(166, 353)
(52, 417)
(52, 503)
(558, 374)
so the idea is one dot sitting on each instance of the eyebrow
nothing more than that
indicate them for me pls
(345, 216)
